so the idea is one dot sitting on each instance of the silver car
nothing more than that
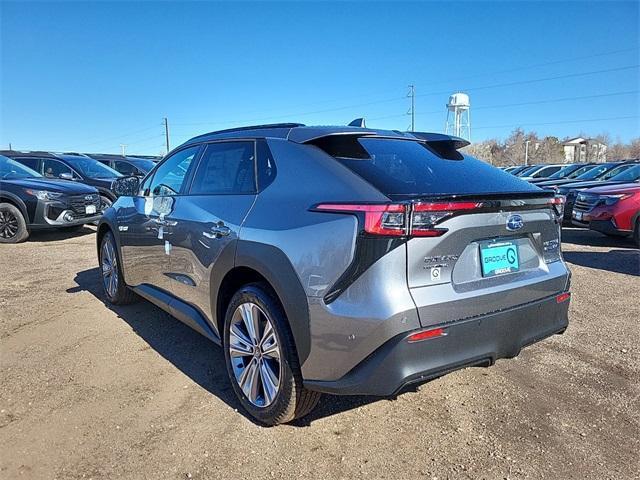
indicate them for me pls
(342, 260)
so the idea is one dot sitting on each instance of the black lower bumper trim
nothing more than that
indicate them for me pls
(479, 341)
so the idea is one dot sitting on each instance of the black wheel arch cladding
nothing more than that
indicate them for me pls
(274, 266)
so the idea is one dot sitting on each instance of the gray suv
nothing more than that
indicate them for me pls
(342, 260)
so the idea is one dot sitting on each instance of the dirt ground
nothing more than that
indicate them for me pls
(92, 391)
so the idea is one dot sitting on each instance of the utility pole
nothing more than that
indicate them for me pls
(412, 111)
(166, 132)
(526, 152)
(10, 146)
(122, 149)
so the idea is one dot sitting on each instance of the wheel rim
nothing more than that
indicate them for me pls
(109, 269)
(8, 224)
(104, 203)
(255, 354)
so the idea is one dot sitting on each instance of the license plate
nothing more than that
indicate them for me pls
(89, 209)
(498, 258)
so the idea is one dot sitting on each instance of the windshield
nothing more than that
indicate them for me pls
(91, 168)
(143, 164)
(564, 171)
(615, 171)
(595, 172)
(528, 171)
(12, 169)
(580, 171)
(630, 174)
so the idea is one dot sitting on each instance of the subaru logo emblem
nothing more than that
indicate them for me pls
(515, 222)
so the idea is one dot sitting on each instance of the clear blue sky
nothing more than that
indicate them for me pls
(89, 76)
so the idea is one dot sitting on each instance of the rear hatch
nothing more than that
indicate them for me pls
(478, 239)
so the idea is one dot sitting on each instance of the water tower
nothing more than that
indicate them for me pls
(458, 120)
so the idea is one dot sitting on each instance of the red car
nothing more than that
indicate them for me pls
(612, 210)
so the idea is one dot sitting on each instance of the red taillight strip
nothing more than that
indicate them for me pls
(446, 206)
(563, 297)
(426, 335)
(558, 200)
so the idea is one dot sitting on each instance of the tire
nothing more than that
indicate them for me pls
(115, 289)
(13, 227)
(275, 352)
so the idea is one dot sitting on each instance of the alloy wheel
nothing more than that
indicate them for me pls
(255, 354)
(8, 224)
(109, 269)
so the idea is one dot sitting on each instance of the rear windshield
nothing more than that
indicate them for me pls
(596, 171)
(410, 168)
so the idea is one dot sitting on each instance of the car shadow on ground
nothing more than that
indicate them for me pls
(624, 258)
(617, 261)
(50, 235)
(581, 236)
(194, 355)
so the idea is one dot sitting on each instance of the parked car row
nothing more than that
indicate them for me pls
(604, 197)
(40, 190)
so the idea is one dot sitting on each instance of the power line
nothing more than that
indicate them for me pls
(559, 123)
(506, 105)
(537, 65)
(536, 80)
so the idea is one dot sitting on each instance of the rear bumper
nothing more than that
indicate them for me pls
(477, 341)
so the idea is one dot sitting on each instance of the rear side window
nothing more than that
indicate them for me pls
(32, 163)
(407, 168)
(226, 168)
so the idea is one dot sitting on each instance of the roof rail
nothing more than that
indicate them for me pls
(254, 127)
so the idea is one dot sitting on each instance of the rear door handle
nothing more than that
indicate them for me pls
(217, 231)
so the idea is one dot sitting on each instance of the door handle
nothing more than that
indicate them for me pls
(217, 231)
(165, 223)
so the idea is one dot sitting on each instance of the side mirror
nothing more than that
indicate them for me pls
(66, 176)
(126, 186)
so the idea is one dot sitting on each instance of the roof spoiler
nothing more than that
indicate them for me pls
(446, 146)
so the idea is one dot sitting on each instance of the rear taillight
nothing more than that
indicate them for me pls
(419, 219)
(388, 219)
(563, 297)
(427, 215)
(557, 203)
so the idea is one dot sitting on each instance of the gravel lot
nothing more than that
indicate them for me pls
(92, 391)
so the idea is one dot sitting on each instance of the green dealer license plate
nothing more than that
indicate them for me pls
(498, 258)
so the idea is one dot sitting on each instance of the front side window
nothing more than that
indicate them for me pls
(92, 168)
(226, 168)
(169, 178)
(125, 168)
(55, 168)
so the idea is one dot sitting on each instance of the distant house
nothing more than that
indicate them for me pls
(581, 149)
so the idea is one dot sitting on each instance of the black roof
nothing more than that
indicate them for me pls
(300, 133)
(24, 154)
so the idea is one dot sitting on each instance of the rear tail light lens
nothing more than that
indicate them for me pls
(427, 215)
(563, 297)
(399, 219)
(387, 219)
(557, 203)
